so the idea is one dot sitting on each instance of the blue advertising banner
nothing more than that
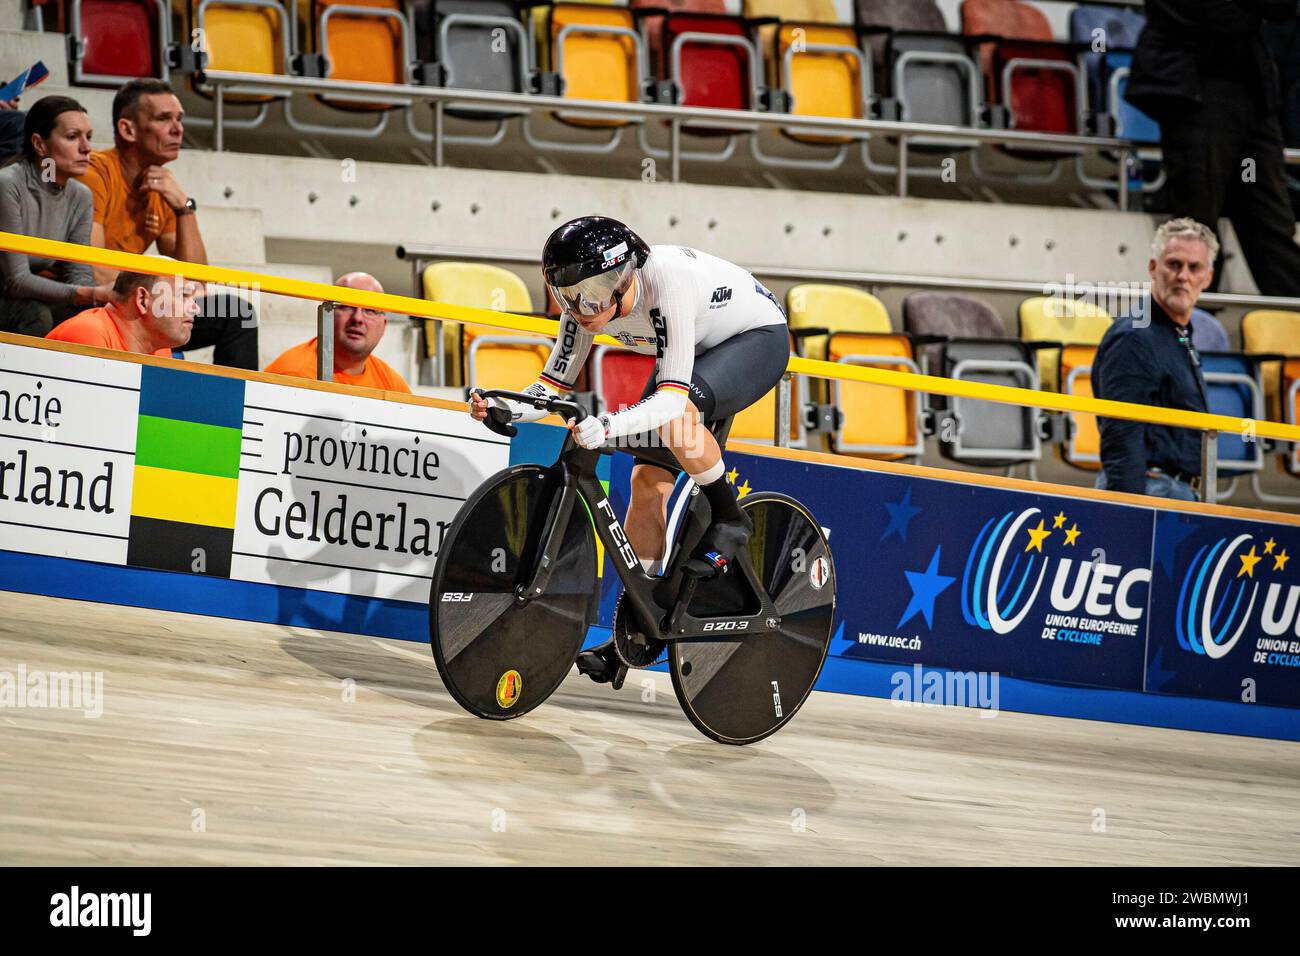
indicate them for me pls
(976, 578)
(1225, 610)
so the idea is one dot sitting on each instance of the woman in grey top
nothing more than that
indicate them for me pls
(40, 197)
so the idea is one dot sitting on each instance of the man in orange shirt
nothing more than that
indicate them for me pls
(137, 202)
(356, 334)
(147, 314)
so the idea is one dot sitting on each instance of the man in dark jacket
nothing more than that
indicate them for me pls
(1149, 359)
(1202, 70)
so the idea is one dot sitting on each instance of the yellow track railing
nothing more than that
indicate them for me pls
(423, 308)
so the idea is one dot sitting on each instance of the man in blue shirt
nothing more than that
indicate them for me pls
(1149, 359)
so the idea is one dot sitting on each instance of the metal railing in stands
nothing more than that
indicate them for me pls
(326, 296)
(421, 255)
(223, 82)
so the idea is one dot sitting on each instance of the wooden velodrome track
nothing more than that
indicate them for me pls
(223, 742)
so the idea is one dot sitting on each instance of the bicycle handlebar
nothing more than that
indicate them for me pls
(499, 419)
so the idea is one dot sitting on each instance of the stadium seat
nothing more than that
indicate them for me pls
(1276, 332)
(618, 376)
(244, 36)
(919, 64)
(1026, 71)
(490, 360)
(1273, 331)
(843, 324)
(461, 38)
(598, 55)
(721, 73)
(1208, 333)
(1290, 392)
(969, 342)
(1107, 72)
(117, 40)
(1079, 327)
(814, 57)
(1233, 387)
(364, 47)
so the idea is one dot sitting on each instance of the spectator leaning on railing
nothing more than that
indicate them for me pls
(138, 202)
(147, 314)
(356, 335)
(1149, 359)
(39, 197)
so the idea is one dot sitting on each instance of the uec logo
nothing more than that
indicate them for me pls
(1205, 618)
(997, 601)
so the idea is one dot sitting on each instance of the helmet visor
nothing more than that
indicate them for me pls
(595, 294)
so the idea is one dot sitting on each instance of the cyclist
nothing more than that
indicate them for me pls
(720, 342)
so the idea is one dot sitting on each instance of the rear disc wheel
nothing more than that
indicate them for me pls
(740, 691)
(500, 657)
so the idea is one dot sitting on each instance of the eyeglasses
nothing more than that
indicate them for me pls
(365, 313)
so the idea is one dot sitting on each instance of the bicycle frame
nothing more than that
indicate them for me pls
(576, 467)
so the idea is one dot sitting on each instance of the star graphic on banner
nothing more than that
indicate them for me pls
(731, 476)
(743, 489)
(1248, 562)
(1059, 520)
(1280, 560)
(1072, 534)
(926, 586)
(1269, 545)
(1171, 531)
(900, 515)
(1037, 536)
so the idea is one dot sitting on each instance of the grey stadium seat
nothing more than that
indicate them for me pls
(968, 341)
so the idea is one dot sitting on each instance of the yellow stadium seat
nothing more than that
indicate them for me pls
(813, 307)
(1068, 321)
(820, 82)
(1079, 326)
(1274, 331)
(755, 423)
(494, 359)
(368, 48)
(1083, 447)
(1277, 332)
(877, 421)
(594, 66)
(837, 308)
(1291, 410)
(244, 38)
(482, 286)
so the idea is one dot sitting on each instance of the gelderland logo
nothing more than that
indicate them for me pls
(1002, 580)
(1218, 594)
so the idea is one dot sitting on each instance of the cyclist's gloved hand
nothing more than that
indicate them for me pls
(590, 432)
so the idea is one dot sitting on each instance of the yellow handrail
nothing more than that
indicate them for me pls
(423, 308)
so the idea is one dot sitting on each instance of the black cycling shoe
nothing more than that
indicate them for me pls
(723, 540)
(603, 665)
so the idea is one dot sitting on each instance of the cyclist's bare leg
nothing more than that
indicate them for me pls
(647, 518)
(647, 512)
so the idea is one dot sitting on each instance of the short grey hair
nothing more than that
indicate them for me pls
(1184, 229)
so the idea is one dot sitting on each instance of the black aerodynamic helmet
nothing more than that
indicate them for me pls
(588, 263)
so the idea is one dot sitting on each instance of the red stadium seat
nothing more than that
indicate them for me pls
(1040, 96)
(118, 40)
(619, 376)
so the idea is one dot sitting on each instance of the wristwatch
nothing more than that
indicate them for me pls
(189, 207)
